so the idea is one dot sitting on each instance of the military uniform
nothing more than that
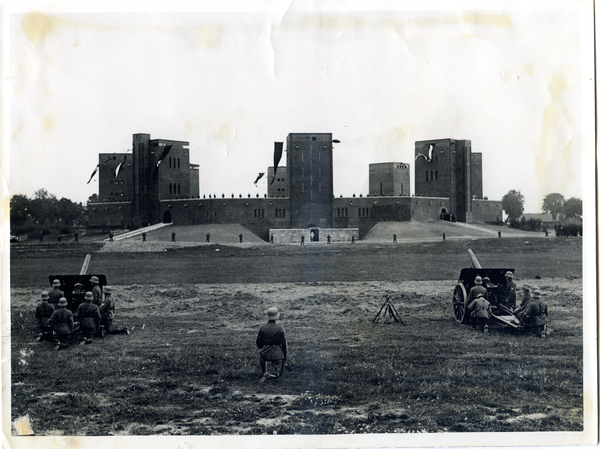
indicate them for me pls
(89, 318)
(43, 313)
(107, 313)
(476, 290)
(480, 312)
(96, 291)
(55, 294)
(61, 322)
(509, 292)
(272, 345)
(537, 312)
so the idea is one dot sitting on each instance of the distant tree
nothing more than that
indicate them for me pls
(553, 204)
(512, 204)
(573, 207)
(93, 199)
(18, 210)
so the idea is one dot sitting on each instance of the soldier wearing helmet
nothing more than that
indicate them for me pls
(43, 313)
(61, 322)
(520, 311)
(509, 291)
(56, 293)
(272, 345)
(477, 289)
(96, 291)
(89, 318)
(537, 313)
(107, 313)
(480, 312)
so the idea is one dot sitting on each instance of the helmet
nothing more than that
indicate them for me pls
(45, 295)
(107, 290)
(55, 283)
(478, 280)
(94, 279)
(62, 302)
(273, 313)
(89, 296)
(508, 274)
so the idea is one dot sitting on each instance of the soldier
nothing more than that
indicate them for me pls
(509, 292)
(480, 312)
(476, 290)
(110, 237)
(395, 241)
(143, 236)
(353, 241)
(56, 293)
(208, 237)
(443, 236)
(173, 236)
(77, 296)
(520, 311)
(43, 313)
(76, 235)
(302, 239)
(241, 237)
(537, 313)
(96, 291)
(61, 322)
(328, 239)
(107, 313)
(272, 345)
(89, 318)
(271, 239)
(41, 236)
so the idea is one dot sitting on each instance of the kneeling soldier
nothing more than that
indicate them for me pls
(272, 345)
(89, 318)
(61, 322)
(480, 314)
(107, 312)
(43, 313)
(537, 312)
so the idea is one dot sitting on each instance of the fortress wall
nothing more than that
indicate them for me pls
(295, 235)
(428, 208)
(110, 214)
(486, 210)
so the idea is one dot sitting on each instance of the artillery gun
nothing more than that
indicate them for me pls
(494, 280)
(75, 285)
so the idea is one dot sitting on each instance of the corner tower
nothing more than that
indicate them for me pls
(310, 176)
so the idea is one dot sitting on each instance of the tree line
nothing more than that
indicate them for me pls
(44, 213)
(566, 213)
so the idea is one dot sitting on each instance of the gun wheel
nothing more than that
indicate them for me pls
(459, 303)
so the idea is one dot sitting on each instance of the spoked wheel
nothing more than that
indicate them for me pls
(459, 303)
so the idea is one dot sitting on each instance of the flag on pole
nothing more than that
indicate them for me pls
(163, 155)
(160, 159)
(94, 173)
(260, 175)
(276, 158)
(119, 167)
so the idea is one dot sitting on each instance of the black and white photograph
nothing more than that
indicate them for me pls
(299, 224)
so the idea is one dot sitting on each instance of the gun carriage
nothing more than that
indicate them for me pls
(494, 281)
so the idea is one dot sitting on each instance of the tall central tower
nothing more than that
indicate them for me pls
(310, 175)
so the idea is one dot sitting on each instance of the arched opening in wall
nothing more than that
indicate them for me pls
(167, 217)
(444, 215)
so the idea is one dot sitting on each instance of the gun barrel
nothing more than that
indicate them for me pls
(474, 260)
(86, 264)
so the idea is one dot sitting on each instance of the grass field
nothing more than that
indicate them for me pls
(190, 365)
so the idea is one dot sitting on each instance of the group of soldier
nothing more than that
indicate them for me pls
(94, 316)
(532, 311)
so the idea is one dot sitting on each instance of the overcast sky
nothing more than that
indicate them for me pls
(514, 82)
